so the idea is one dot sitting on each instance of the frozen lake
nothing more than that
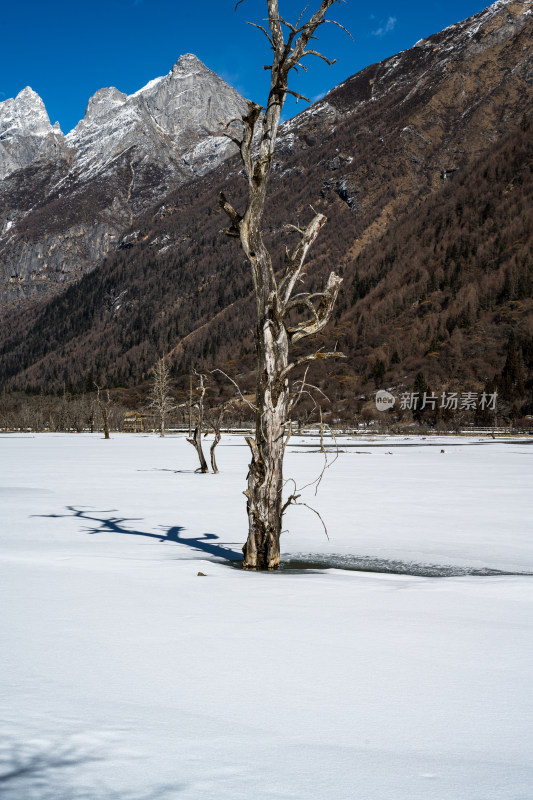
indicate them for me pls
(126, 675)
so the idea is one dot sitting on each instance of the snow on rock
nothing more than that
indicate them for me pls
(26, 113)
(25, 132)
(162, 122)
(313, 686)
(104, 102)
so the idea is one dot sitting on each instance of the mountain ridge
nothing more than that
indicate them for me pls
(62, 209)
(374, 151)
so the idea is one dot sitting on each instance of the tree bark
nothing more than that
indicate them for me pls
(196, 439)
(265, 474)
(190, 405)
(103, 405)
(216, 440)
(106, 421)
(196, 442)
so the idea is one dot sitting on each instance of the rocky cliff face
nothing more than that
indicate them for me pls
(66, 200)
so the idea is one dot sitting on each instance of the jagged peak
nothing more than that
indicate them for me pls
(25, 97)
(187, 63)
(102, 101)
(26, 113)
(188, 60)
(28, 94)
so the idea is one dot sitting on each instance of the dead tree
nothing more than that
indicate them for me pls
(160, 399)
(215, 422)
(190, 405)
(103, 405)
(198, 409)
(321, 428)
(275, 298)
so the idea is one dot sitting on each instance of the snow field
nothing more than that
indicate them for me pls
(312, 685)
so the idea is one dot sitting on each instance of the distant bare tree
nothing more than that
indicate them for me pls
(197, 408)
(275, 299)
(103, 405)
(89, 411)
(160, 399)
(215, 418)
(206, 418)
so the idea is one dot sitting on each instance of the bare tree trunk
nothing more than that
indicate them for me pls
(216, 424)
(103, 405)
(196, 439)
(321, 432)
(196, 442)
(265, 475)
(106, 421)
(216, 440)
(190, 405)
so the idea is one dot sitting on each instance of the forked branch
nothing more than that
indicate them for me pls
(294, 261)
(322, 313)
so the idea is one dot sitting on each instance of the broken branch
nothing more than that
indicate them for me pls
(306, 359)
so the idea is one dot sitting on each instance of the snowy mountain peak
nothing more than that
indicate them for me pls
(25, 132)
(27, 95)
(27, 92)
(191, 97)
(103, 102)
(189, 58)
(26, 114)
(126, 152)
(188, 61)
(175, 109)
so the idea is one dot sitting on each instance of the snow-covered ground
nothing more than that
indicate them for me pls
(125, 675)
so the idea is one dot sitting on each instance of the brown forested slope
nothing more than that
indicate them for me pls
(422, 165)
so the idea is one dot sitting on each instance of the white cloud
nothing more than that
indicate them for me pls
(388, 27)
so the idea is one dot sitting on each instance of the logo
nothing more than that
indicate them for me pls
(384, 400)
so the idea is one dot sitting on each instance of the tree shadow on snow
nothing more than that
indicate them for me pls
(111, 524)
(173, 471)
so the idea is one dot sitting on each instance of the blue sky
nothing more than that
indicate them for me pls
(66, 50)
